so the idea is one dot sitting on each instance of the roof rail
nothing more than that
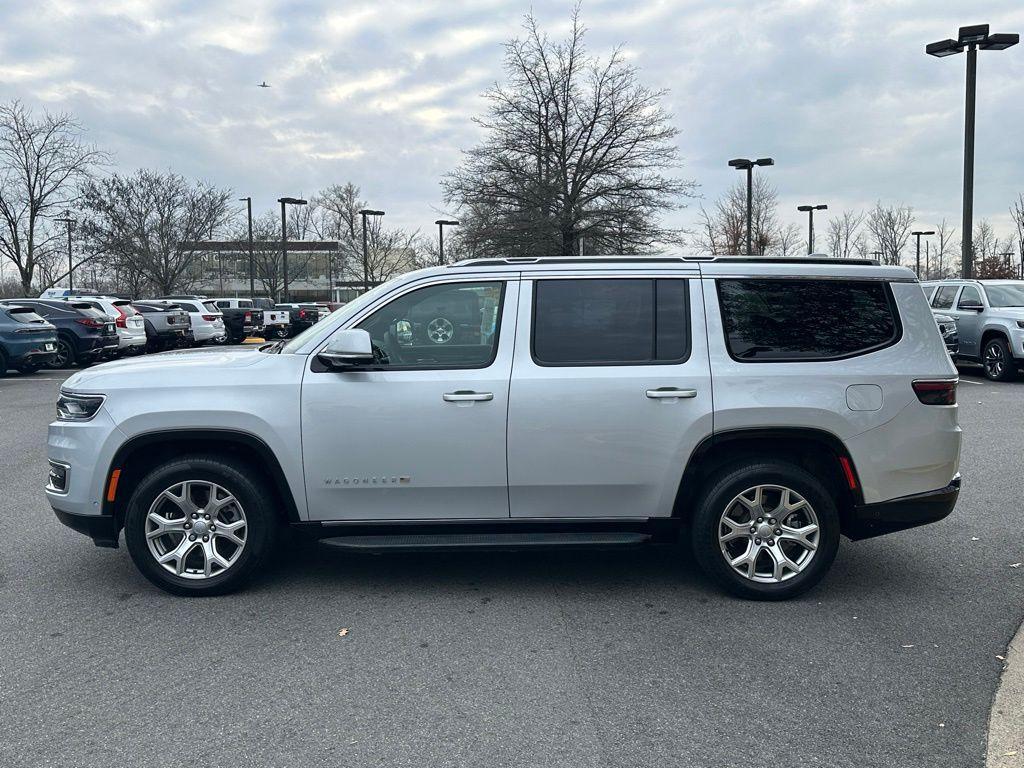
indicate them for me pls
(512, 260)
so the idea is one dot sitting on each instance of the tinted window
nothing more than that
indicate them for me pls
(440, 326)
(224, 304)
(24, 315)
(805, 319)
(944, 296)
(969, 295)
(594, 322)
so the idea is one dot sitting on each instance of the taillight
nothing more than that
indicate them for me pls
(248, 317)
(936, 392)
(90, 322)
(302, 314)
(122, 317)
(209, 318)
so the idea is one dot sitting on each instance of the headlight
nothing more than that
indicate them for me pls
(72, 407)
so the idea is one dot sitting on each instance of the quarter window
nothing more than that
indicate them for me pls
(454, 325)
(609, 322)
(792, 320)
(944, 296)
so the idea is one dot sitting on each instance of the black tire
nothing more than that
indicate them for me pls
(3, 363)
(65, 357)
(236, 477)
(281, 332)
(997, 360)
(725, 486)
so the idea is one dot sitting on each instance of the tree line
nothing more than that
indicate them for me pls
(577, 156)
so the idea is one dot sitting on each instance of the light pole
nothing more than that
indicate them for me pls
(1008, 255)
(252, 277)
(876, 254)
(809, 210)
(71, 270)
(743, 164)
(441, 223)
(366, 253)
(917, 262)
(972, 38)
(284, 239)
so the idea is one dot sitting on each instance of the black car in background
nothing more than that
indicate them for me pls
(84, 334)
(302, 316)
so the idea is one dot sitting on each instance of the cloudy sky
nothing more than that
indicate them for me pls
(841, 94)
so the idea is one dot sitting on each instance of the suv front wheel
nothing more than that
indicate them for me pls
(997, 360)
(766, 531)
(200, 525)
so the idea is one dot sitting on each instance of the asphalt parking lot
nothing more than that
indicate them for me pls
(619, 658)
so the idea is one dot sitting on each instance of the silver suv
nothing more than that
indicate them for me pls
(989, 319)
(753, 411)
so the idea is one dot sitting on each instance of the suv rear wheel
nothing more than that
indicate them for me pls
(766, 531)
(65, 357)
(200, 525)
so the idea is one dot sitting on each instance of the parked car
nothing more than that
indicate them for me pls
(950, 337)
(167, 326)
(240, 321)
(84, 333)
(131, 329)
(989, 318)
(206, 320)
(27, 341)
(301, 316)
(753, 411)
(276, 321)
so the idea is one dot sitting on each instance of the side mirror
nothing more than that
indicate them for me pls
(347, 349)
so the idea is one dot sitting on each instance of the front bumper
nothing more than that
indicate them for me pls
(869, 520)
(102, 529)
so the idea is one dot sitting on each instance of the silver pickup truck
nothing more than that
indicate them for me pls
(167, 327)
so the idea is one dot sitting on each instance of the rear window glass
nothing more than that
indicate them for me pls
(211, 307)
(24, 315)
(608, 322)
(793, 320)
(944, 296)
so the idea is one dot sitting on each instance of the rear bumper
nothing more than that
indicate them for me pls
(884, 517)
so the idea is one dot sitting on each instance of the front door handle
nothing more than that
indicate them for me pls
(463, 396)
(670, 392)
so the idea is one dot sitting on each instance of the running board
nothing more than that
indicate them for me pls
(466, 541)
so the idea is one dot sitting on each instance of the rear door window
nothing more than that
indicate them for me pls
(627, 321)
(804, 320)
(944, 296)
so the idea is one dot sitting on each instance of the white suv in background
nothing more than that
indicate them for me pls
(753, 410)
(207, 320)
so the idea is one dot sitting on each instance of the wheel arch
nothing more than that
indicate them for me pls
(820, 452)
(142, 452)
(990, 332)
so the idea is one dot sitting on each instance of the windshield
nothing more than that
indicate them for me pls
(321, 329)
(1005, 294)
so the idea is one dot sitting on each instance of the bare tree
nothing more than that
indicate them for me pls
(1017, 213)
(989, 253)
(337, 218)
(574, 147)
(945, 262)
(788, 240)
(723, 230)
(843, 231)
(144, 223)
(42, 161)
(890, 228)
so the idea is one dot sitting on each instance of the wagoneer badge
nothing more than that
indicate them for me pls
(391, 480)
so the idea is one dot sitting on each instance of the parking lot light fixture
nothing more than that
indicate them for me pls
(743, 164)
(441, 224)
(918, 235)
(970, 39)
(366, 251)
(809, 210)
(284, 240)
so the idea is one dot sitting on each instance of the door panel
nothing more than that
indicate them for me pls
(968, 322)
(604, 440)
(412, 444)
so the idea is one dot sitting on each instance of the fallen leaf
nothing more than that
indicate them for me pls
(343, 631)
(1001, 658)
(1016, 565)
(975, 538)
(907, 646)
(1011, 753)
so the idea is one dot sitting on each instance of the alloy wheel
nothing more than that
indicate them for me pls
(196, 529)
(768, 533)
(440, 330)
(995, 362)
(64, 357)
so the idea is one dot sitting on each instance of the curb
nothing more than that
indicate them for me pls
(1006, 720)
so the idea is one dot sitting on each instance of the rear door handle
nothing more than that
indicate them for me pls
(670, 392)
(463, 396)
